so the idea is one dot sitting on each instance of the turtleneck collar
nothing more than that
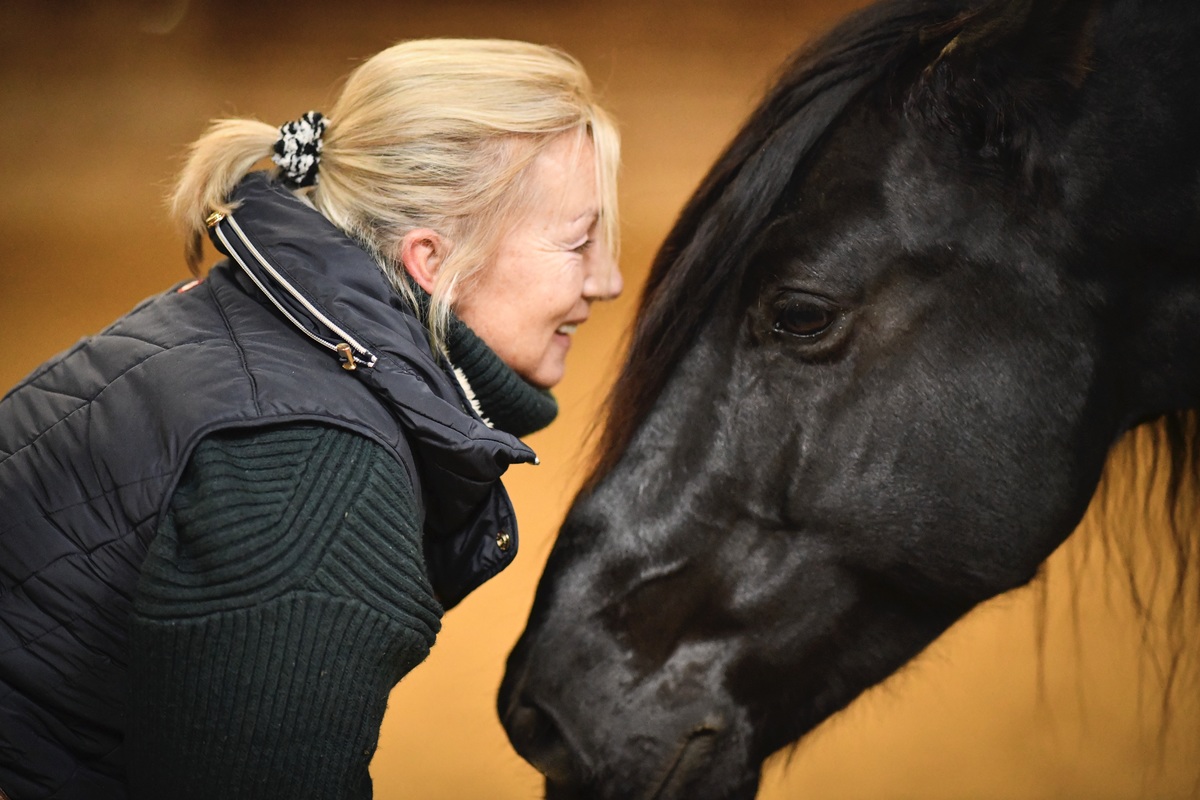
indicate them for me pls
(501, 397)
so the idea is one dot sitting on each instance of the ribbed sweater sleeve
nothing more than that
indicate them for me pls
(283, 597)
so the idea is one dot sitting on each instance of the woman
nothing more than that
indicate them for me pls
(234, 518)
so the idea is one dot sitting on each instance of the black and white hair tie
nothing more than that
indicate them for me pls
(298, 151)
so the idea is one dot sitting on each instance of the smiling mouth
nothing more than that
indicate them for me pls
(568, 329)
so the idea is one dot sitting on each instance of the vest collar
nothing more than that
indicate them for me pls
(334, 294)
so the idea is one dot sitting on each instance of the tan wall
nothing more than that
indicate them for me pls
(98, 99)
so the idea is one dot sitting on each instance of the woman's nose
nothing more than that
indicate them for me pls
(603, 281)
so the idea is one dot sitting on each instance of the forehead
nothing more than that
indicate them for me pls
(566, 165)
(559, 191)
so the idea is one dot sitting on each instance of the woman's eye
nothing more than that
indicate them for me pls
(804, 318)
(583, 246)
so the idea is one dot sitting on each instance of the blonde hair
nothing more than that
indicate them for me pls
(431, 133)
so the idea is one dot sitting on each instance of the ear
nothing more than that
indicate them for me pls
(1002, 69)
(422, 252)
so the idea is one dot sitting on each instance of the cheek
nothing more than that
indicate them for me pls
(539, 309)
(517, 307)
(536, 284)
(557, 287)
(536, 310)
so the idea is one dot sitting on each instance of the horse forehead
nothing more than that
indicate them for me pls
(927, 195)
(877, 168)
(854, 158)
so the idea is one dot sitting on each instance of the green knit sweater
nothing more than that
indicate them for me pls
(282, 599)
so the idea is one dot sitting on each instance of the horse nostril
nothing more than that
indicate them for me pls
(537, 737)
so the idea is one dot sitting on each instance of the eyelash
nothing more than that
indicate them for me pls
(583, 247)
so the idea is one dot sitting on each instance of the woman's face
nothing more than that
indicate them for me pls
(548, 268)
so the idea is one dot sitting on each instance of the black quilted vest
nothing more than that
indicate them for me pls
(94, 441)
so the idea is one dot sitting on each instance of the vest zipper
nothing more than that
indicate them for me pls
(350, 352)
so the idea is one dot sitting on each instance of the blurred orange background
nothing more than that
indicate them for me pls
(1047, 692)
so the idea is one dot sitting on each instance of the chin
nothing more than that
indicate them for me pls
(545, 376)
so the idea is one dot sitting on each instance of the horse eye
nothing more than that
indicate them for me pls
(804, 318)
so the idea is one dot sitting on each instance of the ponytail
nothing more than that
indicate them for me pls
(217, 161)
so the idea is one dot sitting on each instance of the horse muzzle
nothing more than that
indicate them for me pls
(635, 765)
(539, 738)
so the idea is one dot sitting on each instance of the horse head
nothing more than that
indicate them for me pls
(877, 368)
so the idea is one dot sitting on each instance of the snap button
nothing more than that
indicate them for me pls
(504, 541)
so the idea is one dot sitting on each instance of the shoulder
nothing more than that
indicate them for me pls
(256, 514)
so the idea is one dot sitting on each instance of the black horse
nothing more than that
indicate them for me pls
(878, 366)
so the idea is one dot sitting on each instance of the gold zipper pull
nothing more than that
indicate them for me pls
(347, 356)
(212, 219)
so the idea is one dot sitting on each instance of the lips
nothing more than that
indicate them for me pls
(567, 329)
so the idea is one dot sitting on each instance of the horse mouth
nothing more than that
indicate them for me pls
(694, 753)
